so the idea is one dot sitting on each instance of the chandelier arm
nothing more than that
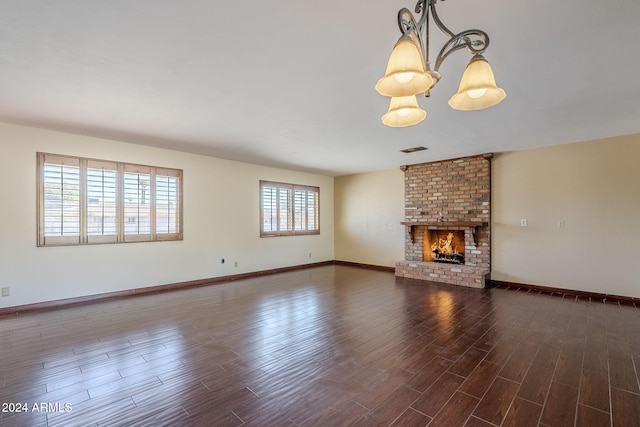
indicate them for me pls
(476, 42)
(407, 23)
(436, 19)
(422, 8)
(416, 30)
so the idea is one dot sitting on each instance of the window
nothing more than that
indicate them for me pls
(85, 201)
(288, 209)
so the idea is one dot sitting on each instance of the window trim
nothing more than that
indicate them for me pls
(120, 236)
(290, 209)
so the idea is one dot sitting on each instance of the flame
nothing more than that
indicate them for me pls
(444, 245)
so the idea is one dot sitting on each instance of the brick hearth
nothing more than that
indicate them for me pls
(448, 195)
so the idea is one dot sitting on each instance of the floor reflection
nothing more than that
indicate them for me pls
(326, 346)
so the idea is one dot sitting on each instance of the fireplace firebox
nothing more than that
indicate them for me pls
(445, 246)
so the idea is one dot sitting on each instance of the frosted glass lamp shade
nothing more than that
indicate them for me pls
(405, 73)
(403, 111)
(477, 88)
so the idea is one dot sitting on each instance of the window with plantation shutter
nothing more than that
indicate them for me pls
(288, 209)
(85, 201)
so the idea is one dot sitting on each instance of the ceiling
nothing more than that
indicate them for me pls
(289, 83)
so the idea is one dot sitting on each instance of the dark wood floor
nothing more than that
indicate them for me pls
(326, 346)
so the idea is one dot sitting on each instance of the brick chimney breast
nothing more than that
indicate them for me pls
(448, 195)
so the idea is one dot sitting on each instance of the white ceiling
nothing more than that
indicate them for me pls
(289, 83)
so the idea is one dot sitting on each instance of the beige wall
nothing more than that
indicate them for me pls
(221, 221)
(582, 205)
(368, 210)
(593, 188)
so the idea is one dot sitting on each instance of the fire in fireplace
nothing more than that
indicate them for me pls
(444, 246)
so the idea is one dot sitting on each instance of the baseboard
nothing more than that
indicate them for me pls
(54, 305)
(594, 296)
(366, 266)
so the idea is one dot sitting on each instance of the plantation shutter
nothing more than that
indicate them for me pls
(102, 202)
(306, 209)
(137, 192)
(59, 200)
(168, 215)
(276, 209)
(285, 213)
(269, 211)
(300, 209)
(313, 197)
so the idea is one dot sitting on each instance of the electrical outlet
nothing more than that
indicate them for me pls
(523, 222)
(6, 292)
(235, 264)
(309, 254)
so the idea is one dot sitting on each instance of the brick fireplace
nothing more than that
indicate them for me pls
(448, 211)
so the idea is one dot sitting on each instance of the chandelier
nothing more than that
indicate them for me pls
(409, 71)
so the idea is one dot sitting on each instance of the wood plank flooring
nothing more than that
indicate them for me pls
(325, 346)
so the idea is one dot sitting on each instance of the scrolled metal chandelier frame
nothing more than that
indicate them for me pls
(409, 70)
